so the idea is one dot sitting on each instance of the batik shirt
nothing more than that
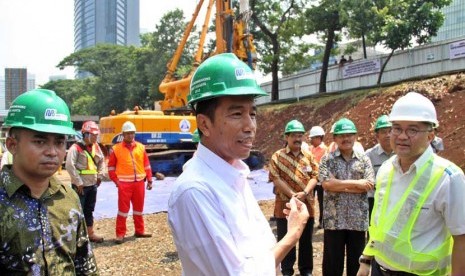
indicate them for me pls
(345, 211)
(45, 236)
(296, 172)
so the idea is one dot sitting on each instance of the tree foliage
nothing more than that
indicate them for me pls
(324, 18)
(122, 76)
(277, 37)
(399, 24)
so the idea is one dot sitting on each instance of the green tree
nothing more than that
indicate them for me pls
(325, 20)
(110, 66)
(360, 18)
(277, 38)
(399, 24)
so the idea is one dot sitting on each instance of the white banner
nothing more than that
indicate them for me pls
(359, 68)
(457, 49)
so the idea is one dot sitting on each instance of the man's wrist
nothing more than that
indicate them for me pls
(365, 260)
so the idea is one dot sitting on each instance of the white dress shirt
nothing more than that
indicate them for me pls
(442, 213)
(217, 225)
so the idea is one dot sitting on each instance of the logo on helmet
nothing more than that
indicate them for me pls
(52, 114)
(243, 74)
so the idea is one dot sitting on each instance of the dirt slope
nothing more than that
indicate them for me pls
(363, 107)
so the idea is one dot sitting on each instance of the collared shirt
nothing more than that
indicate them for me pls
(377, 157)
(217, 225)
(76, 160)
(294, 171)
(318, 151)
(443, 211)
(45, 236)
(345, 211)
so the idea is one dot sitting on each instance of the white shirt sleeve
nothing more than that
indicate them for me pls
(205, 244)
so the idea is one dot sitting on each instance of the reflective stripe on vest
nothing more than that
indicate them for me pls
(390, 236)
(91, 167)
(129, 164)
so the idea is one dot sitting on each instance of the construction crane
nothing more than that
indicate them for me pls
(232, 36)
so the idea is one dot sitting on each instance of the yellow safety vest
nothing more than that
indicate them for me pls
(390, 231)
(91, 166)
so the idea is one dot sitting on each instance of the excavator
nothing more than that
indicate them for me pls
(167, 133)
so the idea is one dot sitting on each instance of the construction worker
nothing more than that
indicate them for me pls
(333, 145)
(418, 225)
(129, 168)
(42, 229)
(294, 173)
(85, 164)
(217, 225)
(318, 150)
(346, 175)
(380, 152)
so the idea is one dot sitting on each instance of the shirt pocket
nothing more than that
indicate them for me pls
(425, 216)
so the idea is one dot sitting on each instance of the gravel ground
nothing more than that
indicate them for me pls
(157, 255)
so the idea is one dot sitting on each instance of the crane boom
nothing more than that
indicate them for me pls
(232, 35)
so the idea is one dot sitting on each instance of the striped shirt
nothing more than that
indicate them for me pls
(296, 172)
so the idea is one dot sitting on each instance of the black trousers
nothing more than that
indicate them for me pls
(305, 262)
(371, 203)
(319, 192)
(88, 199)
(338, 243)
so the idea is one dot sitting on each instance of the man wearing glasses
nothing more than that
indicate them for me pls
(418, 225)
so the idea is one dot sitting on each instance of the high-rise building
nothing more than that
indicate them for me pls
(15, 84)
(2, 93)
(106, 21)
(31, 82)
(454, 22)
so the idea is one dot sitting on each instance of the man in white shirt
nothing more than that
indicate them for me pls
(217, 225)
(418, 225)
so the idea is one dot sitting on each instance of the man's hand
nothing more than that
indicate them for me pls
(99, 181)
(364, 270)
(365, 185)
(116, 184)
(149, 185)
(297, 216)
(80, 189)
(302, 196)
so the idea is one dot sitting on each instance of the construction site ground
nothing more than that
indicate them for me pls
(157, 255)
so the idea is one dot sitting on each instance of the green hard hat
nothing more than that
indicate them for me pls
(223, 75)
(40, 110)
(195, 136)
(383, 122)
(294, 126)
(344, 126)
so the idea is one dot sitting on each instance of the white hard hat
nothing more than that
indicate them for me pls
(414, 107)
(316, 131)
(128, 126)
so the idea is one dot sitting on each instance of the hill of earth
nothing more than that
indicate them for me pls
(363, 107)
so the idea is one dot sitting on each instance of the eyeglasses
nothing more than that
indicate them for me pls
(410, 132)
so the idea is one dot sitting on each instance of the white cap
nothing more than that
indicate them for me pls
(316, 131)
(128, 126)
(414, 107)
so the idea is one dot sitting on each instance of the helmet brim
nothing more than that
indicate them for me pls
(65, 130)
(234, 91)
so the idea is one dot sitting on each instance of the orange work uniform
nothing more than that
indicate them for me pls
(129, 167)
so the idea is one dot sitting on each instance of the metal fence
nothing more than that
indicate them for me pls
(423, 61)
